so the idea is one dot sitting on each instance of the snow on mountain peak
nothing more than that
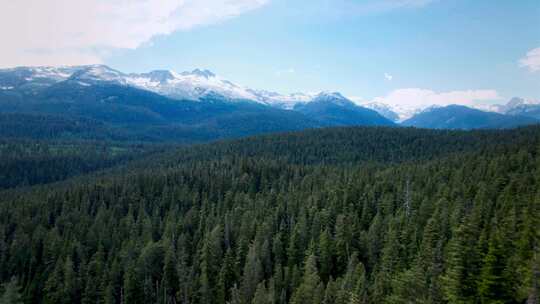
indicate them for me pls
(512, 105)
(383, 109)
(279, 100)
(195, 85)
(98, 73)
(332, 97)
(326, 95)
(60, 73)
(201, 73)
(161, 76)
(394, 112)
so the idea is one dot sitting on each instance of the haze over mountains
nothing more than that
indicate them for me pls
(199, 104)
(461, 117)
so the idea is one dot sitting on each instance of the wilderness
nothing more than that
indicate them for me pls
(269, 152)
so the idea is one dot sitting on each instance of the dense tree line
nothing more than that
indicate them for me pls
(359, 145)
(31, 162)
(447, 218)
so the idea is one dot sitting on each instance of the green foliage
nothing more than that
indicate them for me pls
(11, 293)
(330, 216)
(29, 162)
(311, 288)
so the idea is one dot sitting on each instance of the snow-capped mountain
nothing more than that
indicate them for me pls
(383, 109)
(335, 109)
(516, 104)
(189, 85)
(281, 101)
(521, 107)
(332, 97)
(198, 85)
(96, 74)
(395, 112)
(194, 85)
(34, 77)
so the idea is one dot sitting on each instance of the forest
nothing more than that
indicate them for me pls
(334, 216)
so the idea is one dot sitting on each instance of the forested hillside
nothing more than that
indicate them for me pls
(346, 215)
(31, 162)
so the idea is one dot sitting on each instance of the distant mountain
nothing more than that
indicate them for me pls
(200, 105)
(94, 85)
(151, 107)
(520, 107)
(147, 115)
(196, 85)
(461, 117)
(28, 78)
(334, 109)
(528, 110)
(383, 109)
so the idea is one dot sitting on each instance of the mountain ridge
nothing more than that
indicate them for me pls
(462, 117)
(197, 84)
(70, 85)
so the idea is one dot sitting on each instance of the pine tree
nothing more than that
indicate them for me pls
(133, 287)
(310, 290)
(342, 242)
(462, 266)
(53, 290)
(252, 275)
(94, 274)
(227, 277)
(331, 291)
(170, 277)
(492, 287)
(262, 296)
(326, 255)
(71, 282)
(210, 258)
(11, 293)
(353, 282)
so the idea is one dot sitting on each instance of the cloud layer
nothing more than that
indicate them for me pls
(37, 32)
(407, 102)
(531, 60)
(418, 98)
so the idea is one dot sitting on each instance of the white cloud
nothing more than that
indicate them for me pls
(415, 97)
(36, 32)
(407, 102)
(531, 60)
(388, 76)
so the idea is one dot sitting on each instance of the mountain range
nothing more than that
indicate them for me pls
(200, 106)
(461, 117)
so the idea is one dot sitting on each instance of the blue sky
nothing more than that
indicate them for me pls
(348, 46)
(474, 50)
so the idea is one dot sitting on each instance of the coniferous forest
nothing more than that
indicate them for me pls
(333, 216)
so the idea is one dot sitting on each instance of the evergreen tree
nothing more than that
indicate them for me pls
(310, 290)
(170, 277)
(262, 295)
(11, 293)
(326, 255)
(252, 274)
(492, 287)
(308, 217)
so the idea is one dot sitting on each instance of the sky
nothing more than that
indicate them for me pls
(409, 52)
